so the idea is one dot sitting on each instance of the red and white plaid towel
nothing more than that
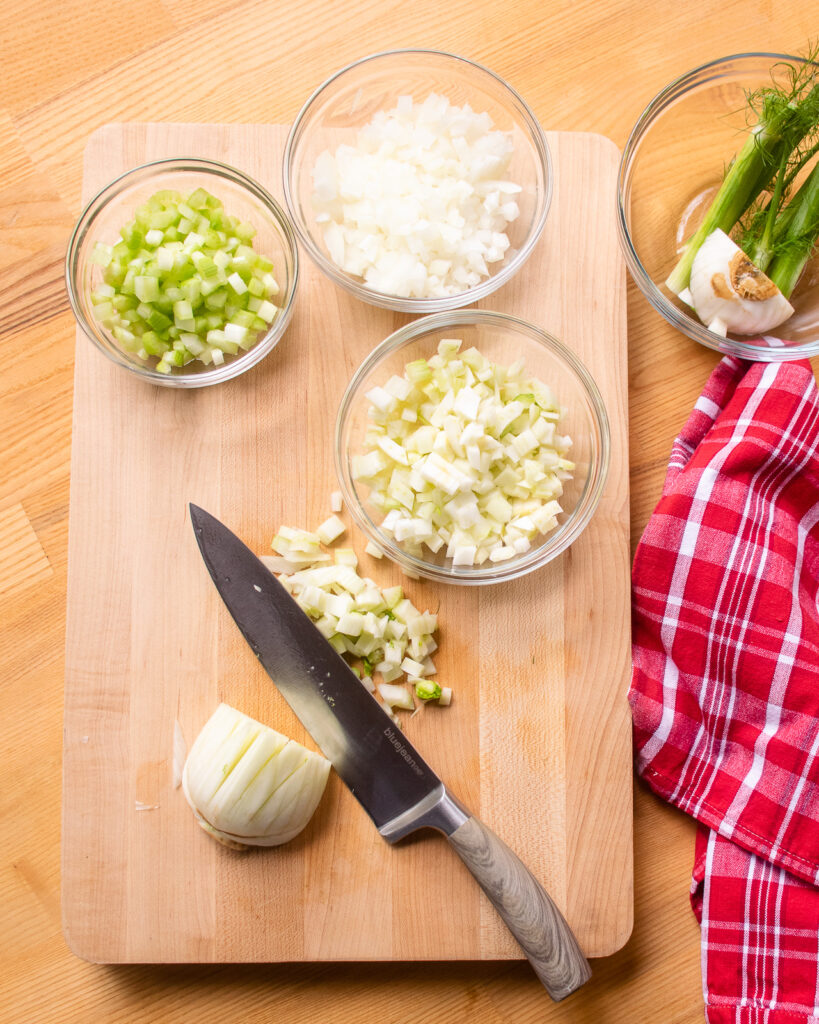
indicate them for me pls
(725, 685)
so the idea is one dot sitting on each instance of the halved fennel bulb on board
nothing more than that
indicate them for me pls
(464, 455)
(249, 785)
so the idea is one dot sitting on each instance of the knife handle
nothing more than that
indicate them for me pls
(526, 908)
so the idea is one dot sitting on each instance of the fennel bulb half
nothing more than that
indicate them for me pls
(249, 785)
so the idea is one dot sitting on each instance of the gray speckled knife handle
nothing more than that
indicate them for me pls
(522, 902)
(525, 906)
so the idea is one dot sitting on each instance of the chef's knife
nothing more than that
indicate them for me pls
(382, 769)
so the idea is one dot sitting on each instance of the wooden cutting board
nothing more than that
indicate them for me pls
(537, 739)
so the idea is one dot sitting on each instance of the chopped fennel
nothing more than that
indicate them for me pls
(477, 470)
(345, 556)
(249, 785)
(418, 206)
(427, 689)
(379, 630)
(396, 696)
(331, 529)
(184, 283)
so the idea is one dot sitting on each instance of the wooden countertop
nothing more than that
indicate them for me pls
(68, 68)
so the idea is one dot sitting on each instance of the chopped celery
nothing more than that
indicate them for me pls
(183, 282)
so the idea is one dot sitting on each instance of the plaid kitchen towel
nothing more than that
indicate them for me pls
(725, 684)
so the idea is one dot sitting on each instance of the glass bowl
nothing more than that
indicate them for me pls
(349, 99)
(503, 340)
(115, 206)
(671, 167)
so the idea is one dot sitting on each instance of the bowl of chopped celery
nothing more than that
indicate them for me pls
(417, 180)
(183, 271)
(471, 447)
(718, 205)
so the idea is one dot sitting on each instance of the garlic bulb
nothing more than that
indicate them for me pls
(729, 293)
(249, 785)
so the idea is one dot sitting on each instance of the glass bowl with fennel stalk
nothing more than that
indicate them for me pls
(400, 172)
(514, 352)
(696, 134)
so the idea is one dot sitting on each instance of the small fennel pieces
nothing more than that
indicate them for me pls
(464, 456)
(380, 632)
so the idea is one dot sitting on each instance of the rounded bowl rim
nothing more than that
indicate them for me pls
(420, 305)
(576, 521)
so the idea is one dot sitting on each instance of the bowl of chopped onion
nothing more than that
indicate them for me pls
(471, 447)
(183, 272)
(718, 205)
(417, 180)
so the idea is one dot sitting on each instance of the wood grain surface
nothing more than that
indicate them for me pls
(539, 665)
(70, 68)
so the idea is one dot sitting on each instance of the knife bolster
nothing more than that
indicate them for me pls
(438, 809)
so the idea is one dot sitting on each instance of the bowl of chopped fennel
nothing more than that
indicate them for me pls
(417, 180)
(183, 271)
(718, 205)
(472, 447)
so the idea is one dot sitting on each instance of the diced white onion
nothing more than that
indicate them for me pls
(418, 205)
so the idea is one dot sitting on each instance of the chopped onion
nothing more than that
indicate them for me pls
(419, 205)
(249, 785)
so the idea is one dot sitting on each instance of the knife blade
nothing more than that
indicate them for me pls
(382, 769)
